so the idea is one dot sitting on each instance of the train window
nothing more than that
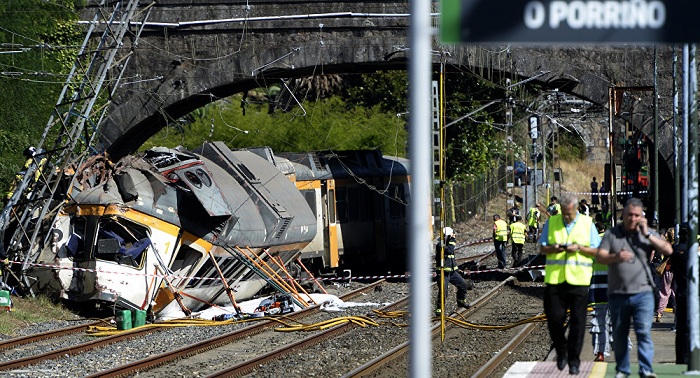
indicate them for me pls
(397, 209)
(310, 197)
(212, 274)
(203, 176)
(340, 205)
(354, 210)
(194, 179)
(364, 204)
(121, 241)
(231, 265)
(75, 247)
(185, 262)
(207, 266)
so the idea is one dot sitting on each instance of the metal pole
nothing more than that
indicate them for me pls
(684, 155)
(419, 74)
(655, 188)
(676, 170)
(692, 141)
(612, 190)
(441, 153)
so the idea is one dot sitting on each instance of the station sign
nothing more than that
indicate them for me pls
(570, 22)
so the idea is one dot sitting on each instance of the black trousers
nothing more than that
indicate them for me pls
(516, 252)
(682, 334)
(500, 252)
(557, 299)
(456, 279)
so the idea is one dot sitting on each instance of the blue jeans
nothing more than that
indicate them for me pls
(640, 308)
(500, 252)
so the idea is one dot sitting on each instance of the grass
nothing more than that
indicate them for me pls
(27, 311)
(579, 174)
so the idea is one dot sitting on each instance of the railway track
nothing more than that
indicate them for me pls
(402, 350)
(74, 348)
(490, 355)
(38, 337)
(305, 343)
(191, 351)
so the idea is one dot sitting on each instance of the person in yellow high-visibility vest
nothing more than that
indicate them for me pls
(570, 241)
(533, 220)
(500, 238)
(517, 238)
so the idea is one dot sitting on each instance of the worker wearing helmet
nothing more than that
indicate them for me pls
(500, 238)
(35, 160)
(445, 258)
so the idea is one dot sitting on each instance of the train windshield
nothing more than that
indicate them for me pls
(121, 241)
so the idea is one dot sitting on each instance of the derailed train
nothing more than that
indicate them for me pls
(172, 228)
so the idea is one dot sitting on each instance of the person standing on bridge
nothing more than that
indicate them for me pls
(570, 241)
(445, 260)
(627, 248)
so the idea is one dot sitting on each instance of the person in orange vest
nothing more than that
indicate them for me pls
(517, 237)
(569, 241)
(500, 238)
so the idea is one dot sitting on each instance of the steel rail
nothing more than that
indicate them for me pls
(75, 349)
(202, 346)
(402, 349)
(11, 343)
(488, 368)
(248, 366)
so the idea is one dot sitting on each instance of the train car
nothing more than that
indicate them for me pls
(173, 228)
(632, 167)
(359, 199)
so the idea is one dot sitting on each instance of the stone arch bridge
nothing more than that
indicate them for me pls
(194, 52)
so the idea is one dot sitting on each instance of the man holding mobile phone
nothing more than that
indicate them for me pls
(627, 248)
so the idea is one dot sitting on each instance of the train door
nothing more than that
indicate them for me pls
(395, 218)
(330, 223)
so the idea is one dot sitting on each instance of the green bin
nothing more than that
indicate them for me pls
(5, 298)
(123, 319)
(139, 318)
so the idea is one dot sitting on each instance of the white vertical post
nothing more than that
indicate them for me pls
(419, 76)
(692, 141)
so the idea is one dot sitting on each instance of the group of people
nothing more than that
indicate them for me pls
(589, 262)
(573, 245)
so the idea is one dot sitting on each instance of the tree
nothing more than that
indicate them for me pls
(39, 40)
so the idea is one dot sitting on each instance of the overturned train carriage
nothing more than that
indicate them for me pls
(169, 224)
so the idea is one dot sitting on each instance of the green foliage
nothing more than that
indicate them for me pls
(320, 125)
(571, 146)
(473, 144)
(386, 89)
(45, 35)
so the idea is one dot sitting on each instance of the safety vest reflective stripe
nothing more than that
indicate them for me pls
(517, 232)
(574, 268)
(532, 217)
(571, 262)
(501, 230)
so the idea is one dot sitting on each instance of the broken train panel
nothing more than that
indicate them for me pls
(166, 213)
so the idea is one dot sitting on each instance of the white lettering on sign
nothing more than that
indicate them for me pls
(581, 14)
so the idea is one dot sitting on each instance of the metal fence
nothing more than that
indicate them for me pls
(466, 200)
